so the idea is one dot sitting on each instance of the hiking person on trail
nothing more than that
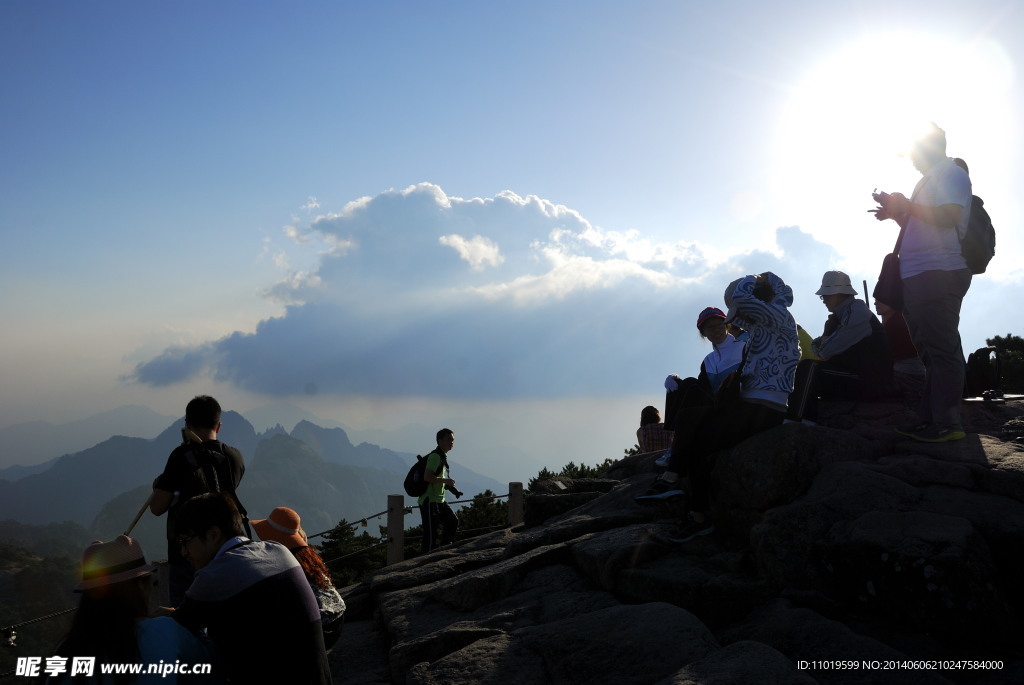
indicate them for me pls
(935, 280)
(434, 510)
(251, 597)
(200, 464)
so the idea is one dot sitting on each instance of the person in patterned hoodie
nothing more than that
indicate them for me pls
(759, 304)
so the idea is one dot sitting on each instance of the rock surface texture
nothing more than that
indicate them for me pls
(843, 553)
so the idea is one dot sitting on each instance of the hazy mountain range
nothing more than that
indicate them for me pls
(35, 442)
(94, 493)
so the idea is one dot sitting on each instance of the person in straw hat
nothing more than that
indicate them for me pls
(284, 526)
(111, 623)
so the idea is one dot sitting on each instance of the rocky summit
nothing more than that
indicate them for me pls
(843, 553)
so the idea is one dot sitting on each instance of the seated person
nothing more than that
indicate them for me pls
(111, 623)
(687, 399)
(716, 367)
(248, 593)
(760, 304)
(854, 354)
(651, 436)
(284, 526)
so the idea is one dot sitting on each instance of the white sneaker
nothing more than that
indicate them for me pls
(663, 459)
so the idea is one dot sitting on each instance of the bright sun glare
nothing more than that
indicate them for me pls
(845, 125)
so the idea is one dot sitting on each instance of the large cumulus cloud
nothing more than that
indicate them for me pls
(420, 293)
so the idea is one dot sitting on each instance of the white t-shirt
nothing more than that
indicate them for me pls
(926, 247)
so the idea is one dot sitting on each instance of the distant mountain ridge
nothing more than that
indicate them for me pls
(34, 442)
(317, 471)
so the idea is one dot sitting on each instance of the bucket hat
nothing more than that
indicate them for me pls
(835, 283)
(283, 525)
(106, 563)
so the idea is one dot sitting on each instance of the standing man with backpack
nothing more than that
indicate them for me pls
(199, 465)
(434, 510)
(935, 278)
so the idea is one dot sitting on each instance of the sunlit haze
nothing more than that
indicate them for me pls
(499, 218)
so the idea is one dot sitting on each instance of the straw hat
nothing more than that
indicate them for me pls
(282, 526)
(106, 563)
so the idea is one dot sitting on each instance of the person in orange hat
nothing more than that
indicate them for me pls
(284, 526)
(111, 623)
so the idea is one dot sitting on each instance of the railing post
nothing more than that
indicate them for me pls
(396, 529)
(515, 504)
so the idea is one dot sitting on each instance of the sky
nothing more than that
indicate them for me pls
(501, 217)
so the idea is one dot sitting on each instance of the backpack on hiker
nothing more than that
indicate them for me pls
(211, 472)
(415, 484)
(978, 245)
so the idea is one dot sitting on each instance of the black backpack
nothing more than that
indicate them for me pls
(415, 485)
(978, 245)
(984, 369)
(211, 472)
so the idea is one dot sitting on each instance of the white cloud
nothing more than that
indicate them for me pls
(406, 304)
(478, 251)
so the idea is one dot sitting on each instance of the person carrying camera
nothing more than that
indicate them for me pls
(434, 511)
(935, 280)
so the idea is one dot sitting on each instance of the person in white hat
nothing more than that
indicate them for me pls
(853, 353)
(111, 622)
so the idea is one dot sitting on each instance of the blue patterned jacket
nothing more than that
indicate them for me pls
(773, 350)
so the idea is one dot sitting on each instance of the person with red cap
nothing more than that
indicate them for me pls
(686, 398)
(757, 401)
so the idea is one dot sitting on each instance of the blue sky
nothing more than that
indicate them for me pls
(502, 217)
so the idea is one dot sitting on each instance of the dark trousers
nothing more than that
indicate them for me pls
(721, 428)
(931, 303)
(434, 514)
(690, 393)
(685, 410)
(820, 380)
